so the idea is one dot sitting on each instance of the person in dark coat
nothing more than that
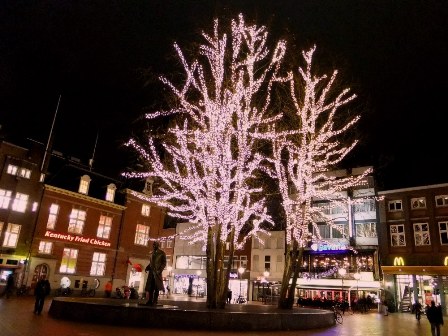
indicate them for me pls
(41, 290)
(435, 318)
(9, 285)
(154, 283)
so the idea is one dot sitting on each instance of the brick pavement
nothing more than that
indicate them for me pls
(17, 319)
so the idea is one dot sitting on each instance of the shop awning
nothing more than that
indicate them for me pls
(419, 270)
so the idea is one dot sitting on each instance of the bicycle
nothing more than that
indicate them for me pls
(88, 292)
(337, 315)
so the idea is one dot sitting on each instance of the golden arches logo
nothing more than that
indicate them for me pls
(398, 261)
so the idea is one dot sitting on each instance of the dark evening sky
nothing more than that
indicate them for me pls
(102, 57)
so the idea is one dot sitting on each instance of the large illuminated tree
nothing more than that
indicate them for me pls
(209, 164)
(304, 155)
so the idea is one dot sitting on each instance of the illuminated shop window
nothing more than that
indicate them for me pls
(11, 235)
(5, 198)
(77, 220)
(98, 264)
(146, 209)
(104, 227)
(45, 247)
(24, 172)
(53, 216)
(110, 193)
(68, 262)
(20, 202)
(12, 169)
(421, 234)
(141, 235)
(84, 184)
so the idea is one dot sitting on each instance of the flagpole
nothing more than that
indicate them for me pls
(50, 137)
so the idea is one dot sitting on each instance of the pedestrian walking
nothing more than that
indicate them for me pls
(9, 285)
(41, 290)
(108, 289)
(435, 318)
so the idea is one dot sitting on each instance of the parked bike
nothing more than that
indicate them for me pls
(337, 315)
(85, 292)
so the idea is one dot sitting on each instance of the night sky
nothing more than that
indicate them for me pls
(104, 57)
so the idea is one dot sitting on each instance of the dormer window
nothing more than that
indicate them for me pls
(110, 193)
(84, 184)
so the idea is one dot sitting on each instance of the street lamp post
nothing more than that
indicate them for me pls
(198, 273)
(169, 269)
(265, 281)
(240, 272)
(342, 272)
(357, 276)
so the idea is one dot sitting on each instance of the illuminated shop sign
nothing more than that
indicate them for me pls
(77, 239)
(398, 261)
(331, 247)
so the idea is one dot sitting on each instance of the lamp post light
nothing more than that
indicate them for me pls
(240, 272)
(342, 272)
(198, 273)
(265, 281)
(169, 269)
(357, 276)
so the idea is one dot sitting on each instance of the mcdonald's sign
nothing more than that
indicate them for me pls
(398, 261)
(445, 262)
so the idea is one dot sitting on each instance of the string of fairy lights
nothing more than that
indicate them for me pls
(213, 159)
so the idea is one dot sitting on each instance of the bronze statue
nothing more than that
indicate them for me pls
(154, 283)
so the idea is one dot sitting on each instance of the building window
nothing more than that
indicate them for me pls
(397, 236)
(418, 203)
(442, 200)
(110, 193)
(12, 169)
(45, 247)
(367, 230)
(84, 184)
(77, 220)
(443, 231)
(395, 205)
(169, 243)
(11, 235)
(421, 234)
(243, 262)
(25, 173)
(68, 263)
(5, 198)
(104, 227)
(146, 210)
(98, 264)
(267, 263)
(20, 202)
(367, 205)
(141, 235)
(53, 216)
